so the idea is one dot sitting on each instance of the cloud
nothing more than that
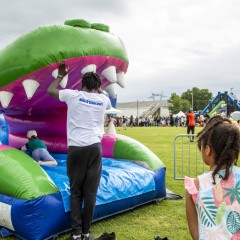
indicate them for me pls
(20, 17)
(220, 73)
(172, 45)
(107, 6)
(181, 46)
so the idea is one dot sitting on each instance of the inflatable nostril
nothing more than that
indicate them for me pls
(100, 26)
(85, 24)
(78, 23)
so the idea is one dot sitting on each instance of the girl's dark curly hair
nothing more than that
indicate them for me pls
(224, 140)
(91, 81)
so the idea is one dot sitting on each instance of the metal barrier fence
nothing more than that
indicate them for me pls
(187, 157)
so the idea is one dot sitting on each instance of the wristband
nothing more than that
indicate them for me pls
(60, 76)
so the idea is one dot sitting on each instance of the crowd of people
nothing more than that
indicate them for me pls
(155, 121)
(159, 121)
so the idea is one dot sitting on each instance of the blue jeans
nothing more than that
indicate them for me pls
(42, 154)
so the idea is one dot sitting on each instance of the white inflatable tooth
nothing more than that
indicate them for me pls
(30, 87)
(110, 89)
(120, 79)
(64, 81)
(110, 74)
(55, 73)
(111, 128)
(105, 93)
(89, 68)
(5, 98)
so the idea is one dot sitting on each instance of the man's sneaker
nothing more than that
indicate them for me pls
(72, 238)
(88, 236)
(107, 236)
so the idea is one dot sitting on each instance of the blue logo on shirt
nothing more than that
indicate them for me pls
(90, 102)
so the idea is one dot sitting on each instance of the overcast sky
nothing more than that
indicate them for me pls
(172, 45)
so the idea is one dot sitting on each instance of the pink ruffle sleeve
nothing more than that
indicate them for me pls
(191, 187)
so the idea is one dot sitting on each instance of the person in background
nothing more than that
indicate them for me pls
(183, 119)
(171, 121)
(190, 123)
(135, 122)
(201, 119)
(38, 150)
(131, 121)
(124, 123)
(85, 129)
(111, 119)
(176, 120)
(206, 117)
(155, 121)
(213, 198)
(118, 123)
(151, 121)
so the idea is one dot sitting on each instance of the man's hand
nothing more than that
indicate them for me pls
(99, 90)
(53, 87)
(62, 70)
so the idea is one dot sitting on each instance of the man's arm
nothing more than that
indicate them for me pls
(53, 88)
(53, 91)
(62, 72)
(100, 91)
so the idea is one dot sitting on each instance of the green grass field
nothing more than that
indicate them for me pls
(164, 218)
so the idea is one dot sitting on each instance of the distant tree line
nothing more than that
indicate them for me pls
(193, 98)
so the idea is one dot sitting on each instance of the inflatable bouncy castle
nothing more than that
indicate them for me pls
(34, 199)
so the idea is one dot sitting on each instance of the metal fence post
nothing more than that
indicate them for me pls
(185, 161)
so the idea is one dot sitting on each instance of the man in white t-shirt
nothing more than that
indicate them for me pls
(85, 129)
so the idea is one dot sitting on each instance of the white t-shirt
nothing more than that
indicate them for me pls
(85, 116)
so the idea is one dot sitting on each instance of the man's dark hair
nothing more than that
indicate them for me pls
(224, 139)
(91, 81)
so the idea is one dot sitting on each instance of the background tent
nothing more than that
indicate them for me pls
(180, 114)
(235, 115)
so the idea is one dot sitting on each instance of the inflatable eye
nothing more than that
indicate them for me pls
(78, 23)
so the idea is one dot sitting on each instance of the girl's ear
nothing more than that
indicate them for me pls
(208, 150)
